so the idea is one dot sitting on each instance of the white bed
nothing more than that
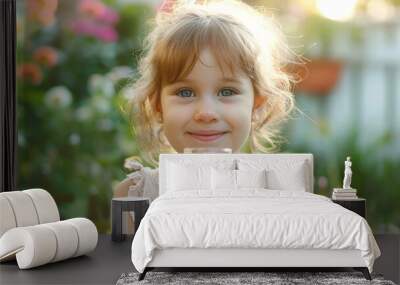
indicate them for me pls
(282, 226)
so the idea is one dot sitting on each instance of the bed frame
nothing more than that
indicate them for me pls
(248, 259)
(244, 259)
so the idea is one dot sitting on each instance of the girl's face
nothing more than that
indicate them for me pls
(207, 110)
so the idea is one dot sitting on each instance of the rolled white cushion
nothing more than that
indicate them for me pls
(7, 218)
(23, 208)
(67, 240)
(33, 245)
(87, 235)
(40, 244)
(45, 205)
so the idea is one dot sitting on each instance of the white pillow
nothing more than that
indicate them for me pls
(293, 179)
(223, 179)
(251, 178)
(193, 173)
(226, 179)
(183, 178)
(285, 174)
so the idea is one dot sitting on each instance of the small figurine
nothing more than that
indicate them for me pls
(347, 174)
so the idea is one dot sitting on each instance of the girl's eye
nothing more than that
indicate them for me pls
(227, 92)
(186, 93)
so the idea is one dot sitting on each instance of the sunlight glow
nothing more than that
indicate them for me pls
(380, 10)
(338, 10)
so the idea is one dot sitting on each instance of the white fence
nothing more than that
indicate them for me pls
(366, 98)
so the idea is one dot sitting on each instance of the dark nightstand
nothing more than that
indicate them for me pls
(138, 205)
(358, 205)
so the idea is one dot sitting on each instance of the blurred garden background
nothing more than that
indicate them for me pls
(75, 59)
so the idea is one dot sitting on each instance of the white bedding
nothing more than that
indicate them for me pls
(251, 218)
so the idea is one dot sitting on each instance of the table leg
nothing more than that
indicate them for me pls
(116, 226)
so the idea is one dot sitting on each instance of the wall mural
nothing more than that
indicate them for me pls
(77, 61)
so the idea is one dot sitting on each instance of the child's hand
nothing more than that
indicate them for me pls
(132, 165)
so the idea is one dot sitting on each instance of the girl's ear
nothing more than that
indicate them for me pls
(258, 101)
(155, 103)
(158, 111)
(158, 107)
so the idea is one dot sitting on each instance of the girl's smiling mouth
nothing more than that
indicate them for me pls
(207, 136)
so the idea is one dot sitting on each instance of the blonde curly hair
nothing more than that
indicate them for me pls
(239, 36)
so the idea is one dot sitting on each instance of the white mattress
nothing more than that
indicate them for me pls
(256, 218)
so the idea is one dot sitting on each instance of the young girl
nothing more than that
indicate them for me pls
(212, 75)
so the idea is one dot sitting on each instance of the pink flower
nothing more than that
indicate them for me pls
(109, 16)
(98, 11)
(167, 6)
(100, 31)
(93, 8)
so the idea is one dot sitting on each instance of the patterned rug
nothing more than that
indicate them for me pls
(230, 278)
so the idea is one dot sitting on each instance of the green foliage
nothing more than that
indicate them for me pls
(375, 175)
(73, 139)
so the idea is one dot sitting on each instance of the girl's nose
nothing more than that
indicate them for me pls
(206, 111)
(205, 116)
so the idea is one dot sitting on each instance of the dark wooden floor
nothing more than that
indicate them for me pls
(102, 266)
(389, 262)
(106, 264)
